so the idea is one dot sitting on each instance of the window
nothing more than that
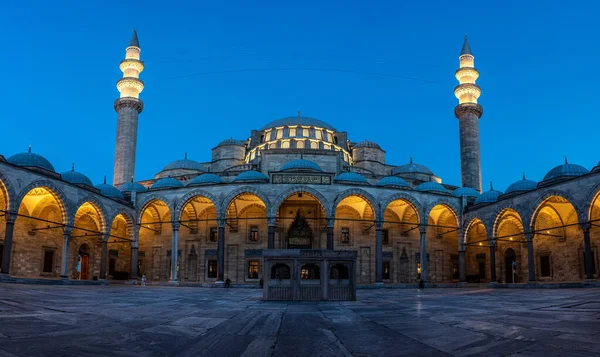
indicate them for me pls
(280, 271)
(213, 234)
(319, 134)
(252, 154)
(545, 265)
(335, 140)
(300, 144)
(326, 136)
(345, 235)
(273, 146)
(48, 261)
(385, 236)
(314, 145)
(211, 273)
(292, 132)
(279, 134)
(285, 145)
(254, 233)
(310, 271)
(386, 270)
(262, 138)
(339, 271)
(305, 132)
(253, 269)
(326, 146)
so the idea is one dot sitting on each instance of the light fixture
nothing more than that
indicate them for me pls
(480, 243)
(510, 238)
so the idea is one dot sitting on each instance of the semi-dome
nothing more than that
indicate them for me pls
(431, 187)
(185, 164)
(465, 192)
(566, 170)
(250, 175)
(76, 178)
(29, 159)
(109, 190)
(393, 181)
(298, 120)
(522, 185)
(351, 177)
(232, 141)
(132, 187)
(205, 179)
(488, 196)
(167, 182)
(367, 144)
(301, 164)
(411, 168)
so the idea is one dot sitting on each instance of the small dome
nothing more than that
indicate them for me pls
(167, 182)
(431, 187)
(367, 144)
(411, 168)
(76, 178)
(132, 187)
(298, 120)
(185, 164)
(300, 164)
(465, 192)
(522, 185)
(232, 141)
(205, 179)
(351, 177)
(109, 190)
(566, 170)
(250, 176)
(393, 181)
(29, 159)
(488, 196)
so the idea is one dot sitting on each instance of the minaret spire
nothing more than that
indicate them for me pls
(468, 113)
(128, 107)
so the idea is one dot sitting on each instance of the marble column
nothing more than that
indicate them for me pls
(8, 237)
(462, 269)
(271, 233)
(330, 225)
(104, 256)
(221, 252)
(134, 253)
(423, 231)
(492, 262)
(174, 251)
(64, 267)
(530, 257)
(587, 246)
(378, 255)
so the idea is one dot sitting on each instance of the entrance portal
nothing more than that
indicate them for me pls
(299, 234)
(509, 258)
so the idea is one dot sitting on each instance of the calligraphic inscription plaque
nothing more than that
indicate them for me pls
(302, 179)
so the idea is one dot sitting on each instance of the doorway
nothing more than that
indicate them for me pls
(509, 258)
(83, 256)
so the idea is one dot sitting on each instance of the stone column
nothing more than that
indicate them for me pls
(134, 253)
(104, 256)
(271, 232)
(64, 267)
(462, 269)
(378, 254)
(530, 257)
(330, 225)
(174, 250)
(221, 252)
(492, 262)
(8, 237)
(587, 246)
(423, 231)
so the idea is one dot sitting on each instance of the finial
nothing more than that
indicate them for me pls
(72, 166)
(134, 40)
(185, 156)
(131, 179)
(466, 49)
(105, 179)
(411, 159)
(491, 186)
(29, 150)
(298, 113)
(523, 175)
(566, 161)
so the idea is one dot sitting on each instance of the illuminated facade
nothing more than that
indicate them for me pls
(296, 182)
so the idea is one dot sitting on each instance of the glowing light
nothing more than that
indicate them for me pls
(480, 243)
(510, 238)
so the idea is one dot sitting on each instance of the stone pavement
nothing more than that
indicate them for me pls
(39, 320)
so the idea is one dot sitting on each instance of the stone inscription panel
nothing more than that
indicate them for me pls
(302, 179)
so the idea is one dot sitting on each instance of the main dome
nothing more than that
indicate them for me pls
(298, 120)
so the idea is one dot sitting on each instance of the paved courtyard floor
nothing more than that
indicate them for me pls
(37, 320)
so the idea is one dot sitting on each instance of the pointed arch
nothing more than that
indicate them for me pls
(536, 206)
(451, 206)
(59, 196)
(474, 222)
(98, 207)
(502, 213)
(130, 224)
(304, 189)
(593, 200)
(147, 200)
(240, 191)
(357, 192)
(189, 196)
(412, 201)
(8, 193)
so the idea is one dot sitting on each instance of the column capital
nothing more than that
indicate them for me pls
(330, 221)
(492, 242)
(10, 217)
(423, 229)
(221, 222)
(529, 236)
(67, 230)
(585, 226)
(271, 221)
(105, 238)
(175, 225)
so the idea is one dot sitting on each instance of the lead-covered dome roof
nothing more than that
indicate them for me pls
(132, 187)
(465, 192)
(367, 144)
(301, 165)
(566, 170)
(76, 178)
(488, 196)
(167, 182)
(522, 185)
(205, 179)
(431, 187)
(411, 168)
(109, 190)
(185, 164)
(251, 175)
(298, 120)
(393, 181)
(29, 159)
(232, 141)
(351, 177)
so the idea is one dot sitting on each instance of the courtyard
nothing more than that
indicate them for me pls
(41, 320)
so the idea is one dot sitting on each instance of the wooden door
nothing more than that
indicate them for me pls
(85, 267)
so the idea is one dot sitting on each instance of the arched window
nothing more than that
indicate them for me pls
(280, 271)
(339, 271)
(310, 271)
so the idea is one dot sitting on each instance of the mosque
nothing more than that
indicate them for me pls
(296, 182)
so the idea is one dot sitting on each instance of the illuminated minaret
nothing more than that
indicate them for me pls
(468, 113)
(128, 106)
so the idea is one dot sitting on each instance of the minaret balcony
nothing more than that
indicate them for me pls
(128, 83)
(131, 64)
(467, 90)
(467, 75)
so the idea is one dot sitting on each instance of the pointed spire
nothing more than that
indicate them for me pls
(298, 113)
(524, 176)
(566, 161)
(105, 179)
(29, 150)
(466, 49)
(134, 40)
(185, 156)
(131, 179)
(411, 159)
(491, 186)
(72, 167)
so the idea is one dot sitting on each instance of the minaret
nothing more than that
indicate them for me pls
(468, 113)
(128, 106)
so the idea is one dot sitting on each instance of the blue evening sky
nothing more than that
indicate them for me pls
(539, 65)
